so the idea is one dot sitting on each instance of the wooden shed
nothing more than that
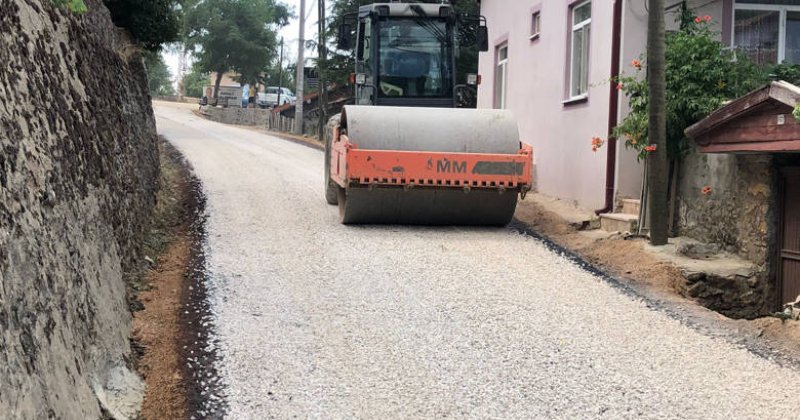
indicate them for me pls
(761, 122)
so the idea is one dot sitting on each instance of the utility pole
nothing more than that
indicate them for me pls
(298, 110)
(657, 125)
(322, 102)
(280, 75)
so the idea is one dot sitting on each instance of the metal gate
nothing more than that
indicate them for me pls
(789, 256)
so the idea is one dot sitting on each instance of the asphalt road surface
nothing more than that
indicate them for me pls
(314, 319)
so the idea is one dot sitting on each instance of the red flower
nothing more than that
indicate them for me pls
(698, 19)
(650, 148)
(636, 63)
(597, 143)
(620, 86)
(706, 190)
(707, 18)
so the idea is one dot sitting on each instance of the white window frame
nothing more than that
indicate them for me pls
(573, 96)
(536, 25)
(782, 8)
(500, 102)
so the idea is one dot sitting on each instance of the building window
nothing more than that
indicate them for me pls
(536, 25)
(501, 77)
(581, 19)
(768, 31)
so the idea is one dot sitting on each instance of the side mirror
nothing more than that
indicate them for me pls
(344, 41)
(482, 38)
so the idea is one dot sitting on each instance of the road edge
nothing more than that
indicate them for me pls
(695, 317)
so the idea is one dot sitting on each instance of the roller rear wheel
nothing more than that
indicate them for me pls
(425, 206)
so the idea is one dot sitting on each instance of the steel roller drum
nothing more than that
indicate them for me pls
(434, 130)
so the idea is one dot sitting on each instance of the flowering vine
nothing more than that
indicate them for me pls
(701, 74)
(597, 143)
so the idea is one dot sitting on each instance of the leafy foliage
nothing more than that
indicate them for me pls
(75, 6)
(786, 72)
(150, 23)
(159, 78)
(274, 77)
(238, 35)
(701, 75)
(195, 81)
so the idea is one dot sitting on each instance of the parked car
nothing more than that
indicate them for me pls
(269, 98)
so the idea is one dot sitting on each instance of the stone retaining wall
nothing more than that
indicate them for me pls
(78, 176)
(237, 116)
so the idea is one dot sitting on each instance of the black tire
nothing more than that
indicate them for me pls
(341, 193)
(331, 188)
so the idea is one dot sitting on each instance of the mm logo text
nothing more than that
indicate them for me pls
(451, 166)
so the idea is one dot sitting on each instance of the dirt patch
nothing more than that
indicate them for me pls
(156, 328)
(158, 325)
(618, 255)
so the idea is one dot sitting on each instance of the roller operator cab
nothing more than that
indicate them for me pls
(405, 55)
(390, 158)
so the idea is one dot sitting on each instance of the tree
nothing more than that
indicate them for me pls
(657, 125)
(150, 23)
(159, 78)
(238, 35)
(284, 77)
(195, 81)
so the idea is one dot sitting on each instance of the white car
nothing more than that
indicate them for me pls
(269, 98)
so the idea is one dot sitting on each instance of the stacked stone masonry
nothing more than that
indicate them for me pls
(738, 215)
(78, 173)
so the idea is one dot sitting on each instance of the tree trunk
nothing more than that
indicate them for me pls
(216, 86)
(657, 129)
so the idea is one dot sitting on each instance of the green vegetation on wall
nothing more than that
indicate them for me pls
(151, 23)
(76, 6)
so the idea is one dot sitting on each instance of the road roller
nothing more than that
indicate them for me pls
(405, 153)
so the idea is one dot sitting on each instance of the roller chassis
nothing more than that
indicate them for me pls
(476, 177)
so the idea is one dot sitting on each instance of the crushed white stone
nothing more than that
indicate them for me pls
(318, 320)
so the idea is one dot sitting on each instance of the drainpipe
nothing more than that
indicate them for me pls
(613, 105)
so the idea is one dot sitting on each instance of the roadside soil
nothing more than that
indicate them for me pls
(617, 255)
(157, 327)
(625, 259)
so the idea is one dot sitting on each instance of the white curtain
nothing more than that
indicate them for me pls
(756, 34)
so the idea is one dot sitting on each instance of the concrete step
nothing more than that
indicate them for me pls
(619, 222)
(631, 206)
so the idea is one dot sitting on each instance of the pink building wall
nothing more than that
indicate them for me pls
(565, 166)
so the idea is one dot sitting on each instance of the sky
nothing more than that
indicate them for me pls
(290, 34)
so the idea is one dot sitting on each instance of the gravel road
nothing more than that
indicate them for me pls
(318, 320)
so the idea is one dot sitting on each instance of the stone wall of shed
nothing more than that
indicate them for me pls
(739, 214)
